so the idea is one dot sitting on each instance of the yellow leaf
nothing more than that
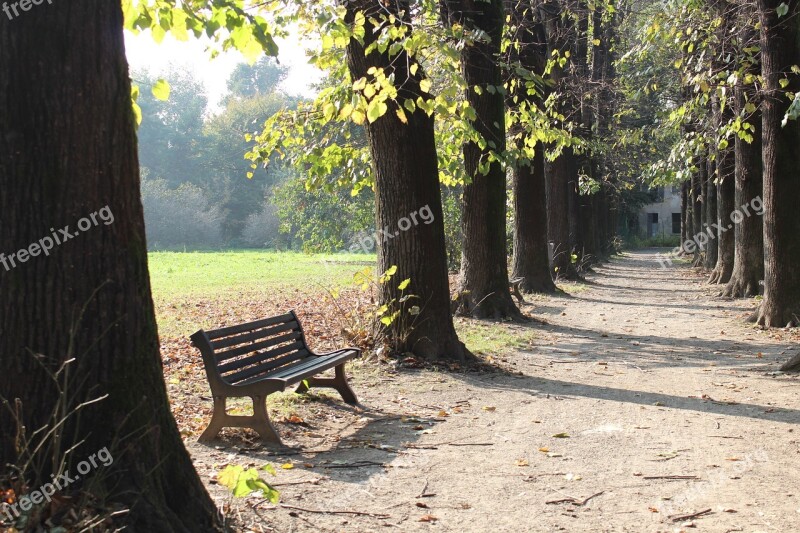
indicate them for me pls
(544, 449)
(425, 86)
(287, 466)
(489, 408)
(522, 462)
(403, 118)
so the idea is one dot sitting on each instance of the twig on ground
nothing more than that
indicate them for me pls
(684, 517)
(320, 511)
(575, 501)
(671, 477)
(357, 464)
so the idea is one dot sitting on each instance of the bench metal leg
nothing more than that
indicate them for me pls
(339, 383)
(217, 420)
(259, 422)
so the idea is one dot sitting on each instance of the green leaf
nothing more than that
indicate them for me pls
(782, 10)
(376, 110)
(403, 286)
(161, 90)
(425, 86)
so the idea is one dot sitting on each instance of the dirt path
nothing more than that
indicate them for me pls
(643, 374)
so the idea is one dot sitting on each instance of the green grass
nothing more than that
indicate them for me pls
(218, 273)
(493, 338)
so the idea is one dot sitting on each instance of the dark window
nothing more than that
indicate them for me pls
(676, 223)
(652, 224)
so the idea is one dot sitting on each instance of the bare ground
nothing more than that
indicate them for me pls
(644, 399)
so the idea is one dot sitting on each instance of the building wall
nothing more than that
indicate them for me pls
(665, 209)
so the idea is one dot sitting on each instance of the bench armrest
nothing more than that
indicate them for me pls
(334, 352)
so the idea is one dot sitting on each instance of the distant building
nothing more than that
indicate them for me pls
(663, 217)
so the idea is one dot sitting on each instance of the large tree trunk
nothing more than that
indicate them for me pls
(563, 171)
(530, 263)
(725, 204)
(780, 50)
(483, 281)
(748, 263)
(68, 150)
(407, 180)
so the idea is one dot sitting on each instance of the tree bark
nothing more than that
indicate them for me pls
(68, 150)
(697, 209)
(781, 144)
(710, 201)
(563, 171)
(483, 281)
(685, 229)
(725, 238)
(406, 180)
(748, 263)
(530, 263)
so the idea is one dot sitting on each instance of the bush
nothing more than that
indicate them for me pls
(262, 230)
(181, 217)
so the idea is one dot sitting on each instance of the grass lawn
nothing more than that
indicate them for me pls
(194, 290)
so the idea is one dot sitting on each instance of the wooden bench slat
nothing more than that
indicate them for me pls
(302, 369)
(243, 328)
(262, 367)
(293, 358)
(254, 336)
(260, 357)
(250, 348)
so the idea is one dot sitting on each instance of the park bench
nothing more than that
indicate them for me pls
(259, 358)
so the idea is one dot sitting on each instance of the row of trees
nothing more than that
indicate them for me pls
(450, 91)
(462, 93)
(729, 123)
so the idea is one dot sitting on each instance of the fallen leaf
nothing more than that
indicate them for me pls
(522, 462)
(544, 449)
(422, 505)
(428, 518)
(490, 408)
(287, 466)
(652, 509)
(560, 436)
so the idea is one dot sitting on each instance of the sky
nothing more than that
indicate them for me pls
(144, 54)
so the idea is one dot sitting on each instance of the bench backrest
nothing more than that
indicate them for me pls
(238, 353)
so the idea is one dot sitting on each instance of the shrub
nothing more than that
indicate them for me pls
(181, 217)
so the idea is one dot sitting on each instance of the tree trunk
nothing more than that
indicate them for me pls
(68, 151)
(557, 173)
(726, 200)
(697, 209)
(407, 180)
(710, 214)
(779, 51)
(483, 281)
(685, 230)
(531, 263)
(748, 263)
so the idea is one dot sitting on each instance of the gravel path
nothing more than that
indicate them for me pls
(644, 399)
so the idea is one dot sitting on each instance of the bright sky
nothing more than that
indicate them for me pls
(144, 54)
